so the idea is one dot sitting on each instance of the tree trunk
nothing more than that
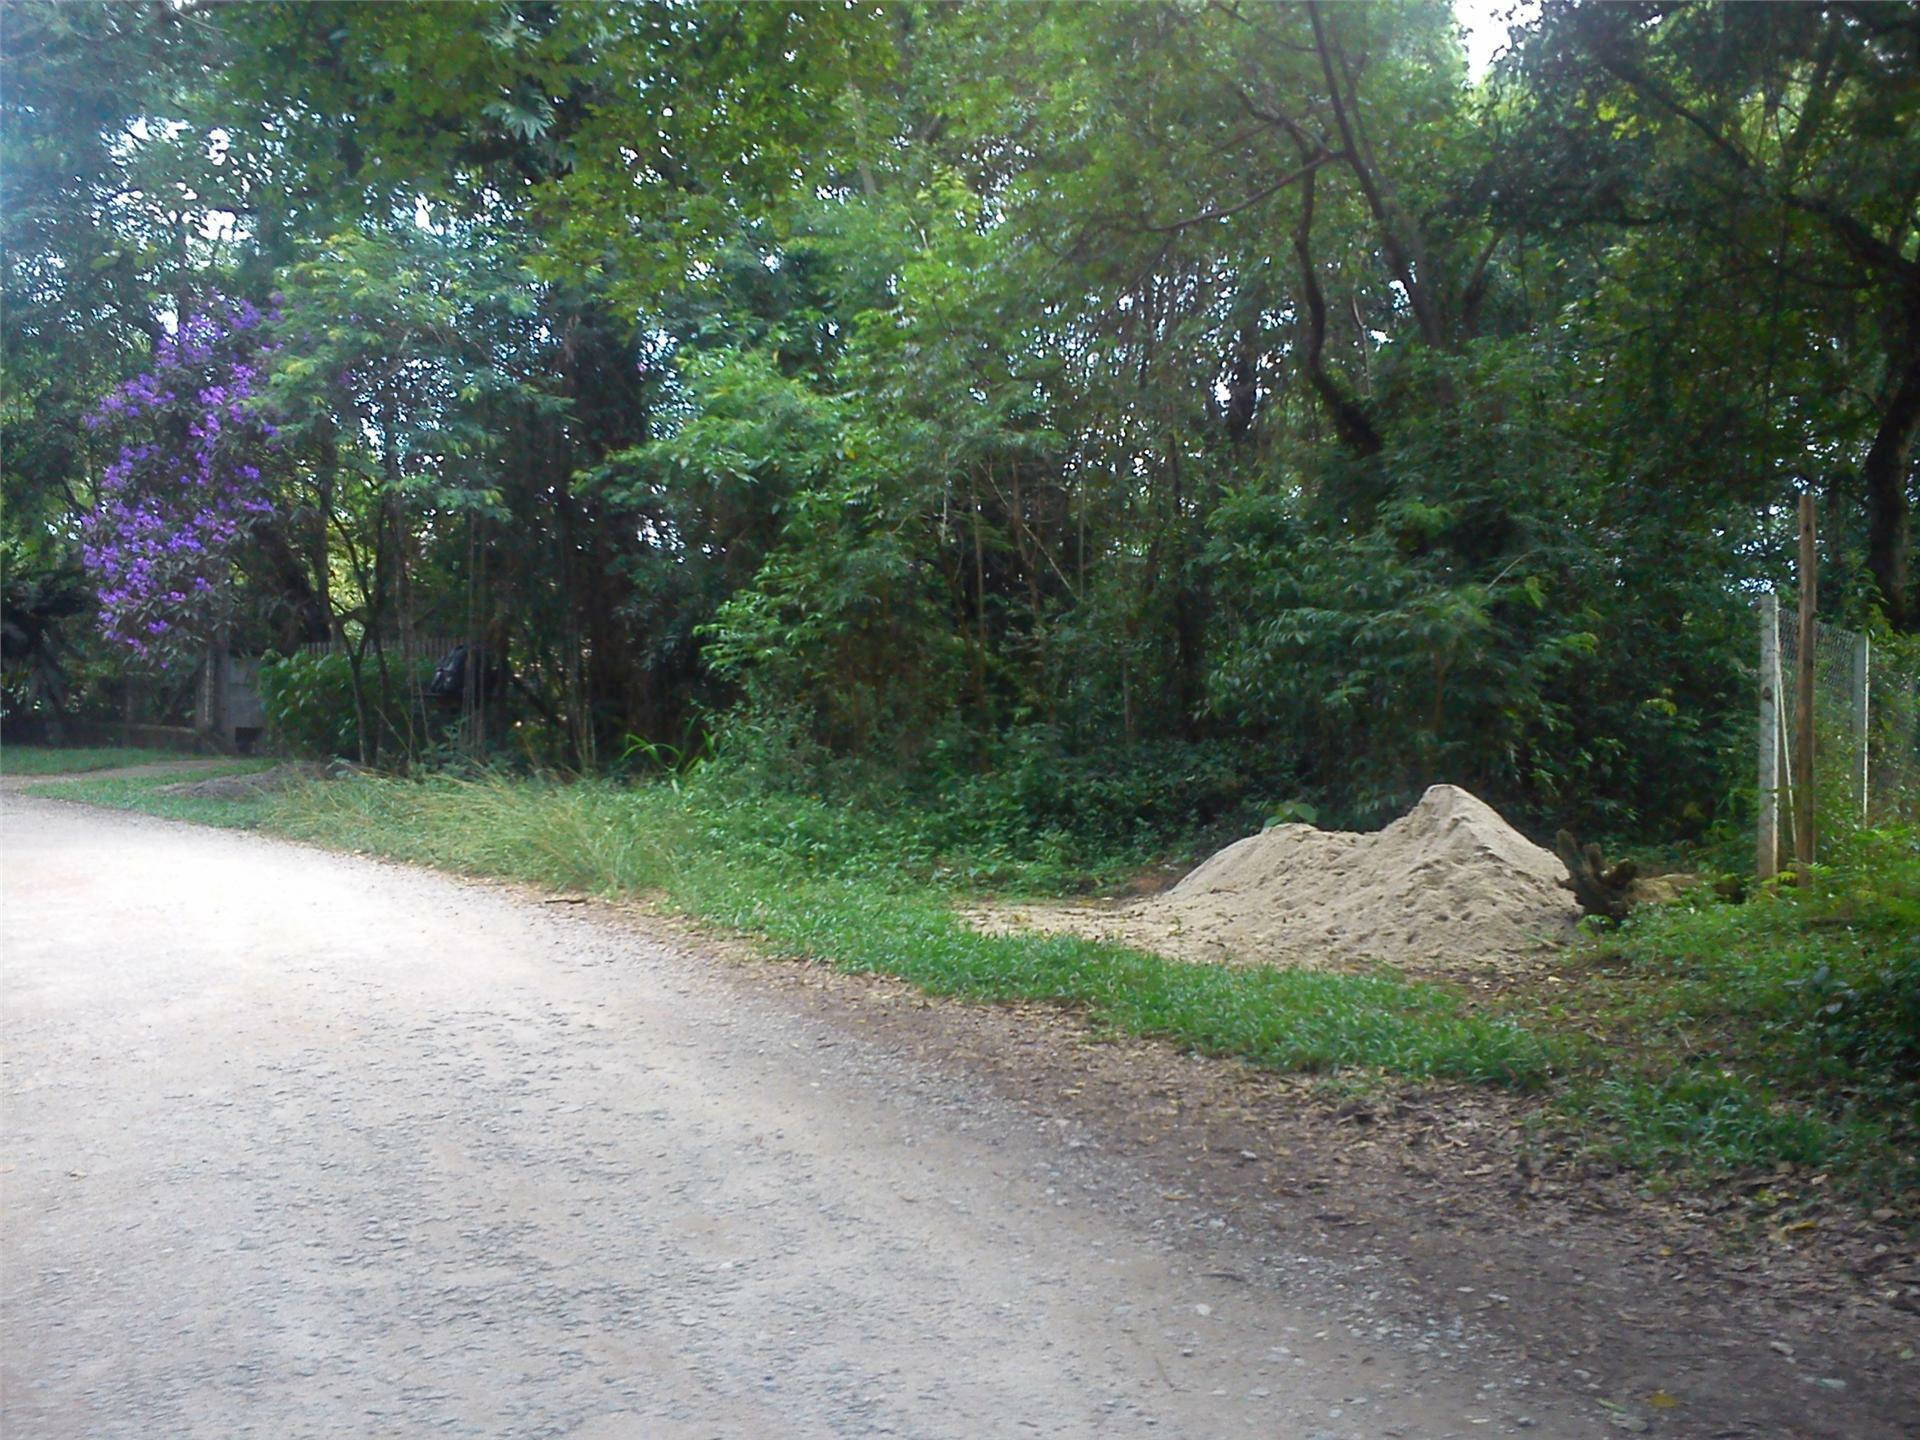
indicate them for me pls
(1350, 419)
(319, 556)
(1243, 376)
(1889, 517)
(1190, 604)
(1402, 244)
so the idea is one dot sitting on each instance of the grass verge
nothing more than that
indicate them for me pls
(48, 760)
(148, 795)
(1784, 1031)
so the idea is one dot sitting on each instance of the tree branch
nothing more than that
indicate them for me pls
(1475, 291)
(1263, 193)
(1853, 233)
(1401, 250)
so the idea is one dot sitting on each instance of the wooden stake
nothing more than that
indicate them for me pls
(1803, 692)
(1862, 663)
(1766, 854)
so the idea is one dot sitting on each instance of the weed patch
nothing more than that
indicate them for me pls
(1785, 1030)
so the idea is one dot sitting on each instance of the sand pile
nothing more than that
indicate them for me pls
(1449, 886)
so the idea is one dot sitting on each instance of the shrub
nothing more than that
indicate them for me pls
(310, 705)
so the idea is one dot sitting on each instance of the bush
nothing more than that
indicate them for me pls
(1029, 814)
(1821, 980)
(1159, 795)
(310, 709)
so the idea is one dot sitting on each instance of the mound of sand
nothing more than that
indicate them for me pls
(1448, 887)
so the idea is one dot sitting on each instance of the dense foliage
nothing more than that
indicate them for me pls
(1008, 397)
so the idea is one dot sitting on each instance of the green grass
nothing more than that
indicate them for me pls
(1785, 1030)
(1285, 1019)
(47, 760)
(144, 793)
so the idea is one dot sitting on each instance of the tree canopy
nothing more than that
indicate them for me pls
(930, 378)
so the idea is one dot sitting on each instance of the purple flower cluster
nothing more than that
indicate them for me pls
(186, 486)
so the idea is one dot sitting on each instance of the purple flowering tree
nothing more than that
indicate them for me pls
(187, 485)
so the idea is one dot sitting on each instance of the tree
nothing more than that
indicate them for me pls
(186, 488)
(1776, 148)
(976, 379)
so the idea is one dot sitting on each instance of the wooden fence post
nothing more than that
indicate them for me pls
(1803, 691)
(1862, 661)
(1766, 857)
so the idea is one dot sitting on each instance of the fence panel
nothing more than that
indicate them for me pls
(1866, 730)
(402, 647)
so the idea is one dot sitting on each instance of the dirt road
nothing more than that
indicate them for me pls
(304, 1145)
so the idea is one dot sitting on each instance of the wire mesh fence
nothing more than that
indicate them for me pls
(1893, 743)
(405, 645)
(1865, 731)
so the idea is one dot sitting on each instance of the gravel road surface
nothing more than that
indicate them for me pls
(299, 1144)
